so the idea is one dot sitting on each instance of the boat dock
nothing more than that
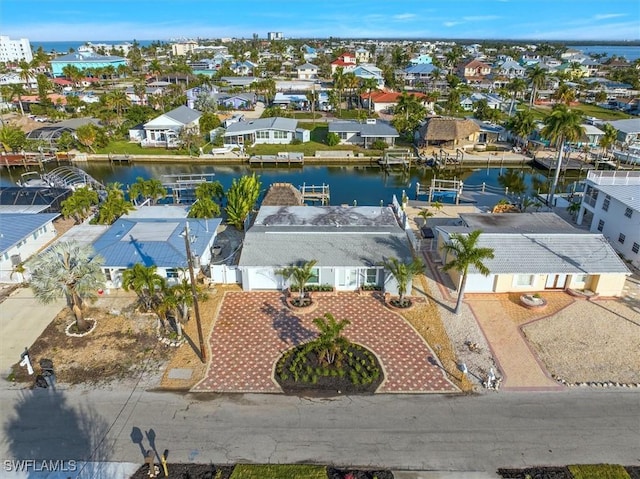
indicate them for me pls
(182, 187)
(568, 164)
(315, 193)
(119, 158)
(289, 158)
(396, 157)
(26, 159)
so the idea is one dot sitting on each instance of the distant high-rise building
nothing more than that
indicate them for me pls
(15, 50)
(274, 36)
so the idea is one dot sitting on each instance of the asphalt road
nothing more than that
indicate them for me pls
(424, 432)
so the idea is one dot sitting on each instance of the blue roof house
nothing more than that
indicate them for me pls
(21, 236)
(155, 241)
(84, 61)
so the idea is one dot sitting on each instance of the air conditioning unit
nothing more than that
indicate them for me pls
(15, 259)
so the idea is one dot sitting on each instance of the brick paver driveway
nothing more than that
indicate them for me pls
(253, 329)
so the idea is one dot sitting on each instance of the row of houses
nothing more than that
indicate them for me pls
(532, 251)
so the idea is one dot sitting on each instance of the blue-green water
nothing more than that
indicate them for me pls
(364, 184)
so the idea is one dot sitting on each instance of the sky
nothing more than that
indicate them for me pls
(92, 20)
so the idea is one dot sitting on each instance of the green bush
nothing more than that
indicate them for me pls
(379, 145)
(333, 139)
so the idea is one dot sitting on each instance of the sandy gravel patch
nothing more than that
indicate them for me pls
(590, 341)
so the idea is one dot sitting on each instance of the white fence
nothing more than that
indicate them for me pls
(225, 274)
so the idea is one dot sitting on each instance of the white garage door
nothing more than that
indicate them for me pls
(476, 283)
(263, 278)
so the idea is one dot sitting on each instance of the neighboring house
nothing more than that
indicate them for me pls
(84, 61)
(511, 69)
(475, 71)
(386, 101)
(164, 131)
(348, 243)
(628, 130)
(150, 240)
(592, 135)
(149, 91)
(537, 252)
(307, 71)
(51, 133)
(193, 94)
(297, 101)
(468, 103)
(611, 202)
(21, 236)
(421, 60)
(364, 134)
(346, 61)
(239, 81)
(417, 74)
(439, 130)
(269, 131)
(369, 71)
(243, 68)
(490, 132)
(363, 55)
(237, 101)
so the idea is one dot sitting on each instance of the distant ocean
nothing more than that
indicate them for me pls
(631, 53)
(64, 47)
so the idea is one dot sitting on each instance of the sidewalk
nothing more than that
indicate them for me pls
(22, 320)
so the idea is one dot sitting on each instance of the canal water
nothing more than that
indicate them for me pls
(366, 185)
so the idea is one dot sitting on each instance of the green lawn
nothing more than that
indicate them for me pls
(598, 471)
(287, 471)
(587, 110)
(123, 147)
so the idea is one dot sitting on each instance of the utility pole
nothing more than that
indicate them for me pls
(194, 292)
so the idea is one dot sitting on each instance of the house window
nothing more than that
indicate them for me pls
(635, 247)
(172, 273)
(605, 203)
(6, 256)
(262, 135)
(621, 238)
(524, 280)
(371, 276)
(343, 135)
(107, 274)
(280, 134)
(315, 276)
(600, 225)
(628, 212)
(579, 278)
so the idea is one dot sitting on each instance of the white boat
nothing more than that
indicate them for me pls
(33, 179)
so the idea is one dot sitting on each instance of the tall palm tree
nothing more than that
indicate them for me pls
(17, 90)
(241, 198)
(564, 94)
(408, 113)
(522, 124)
(145, 282)
(68, 270)
(537, 77)
(403, 273)
(155, 68)
(609, 138)
(561, 125)
(150, 189)
(79, 204)
(516, 87)
(369, 85)
(467, 254)
(118, 101)
(299, 274)
(26, 72)
(339, 85)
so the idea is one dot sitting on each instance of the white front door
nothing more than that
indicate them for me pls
(555, 281)
(347, 278)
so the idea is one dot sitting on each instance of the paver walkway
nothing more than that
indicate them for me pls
(253, 329)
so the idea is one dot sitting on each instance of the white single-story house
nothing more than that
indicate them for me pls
(364, 134)
(164, 130)
(151, 237)
(348, 242)
(269, 131)
(307, 71)
(21, 236)
(537, 252)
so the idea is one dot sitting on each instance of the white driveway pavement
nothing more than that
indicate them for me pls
(22, 320)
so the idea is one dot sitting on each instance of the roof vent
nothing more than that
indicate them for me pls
(371, 121)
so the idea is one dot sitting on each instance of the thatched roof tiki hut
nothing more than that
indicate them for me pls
(447, 131)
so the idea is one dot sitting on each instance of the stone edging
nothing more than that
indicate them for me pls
(595, 384)
(80, 335)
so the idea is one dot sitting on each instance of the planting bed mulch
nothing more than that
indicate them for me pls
(316, 379)
(333, 473)
(536, 473)
(633, 471)
(188, 471)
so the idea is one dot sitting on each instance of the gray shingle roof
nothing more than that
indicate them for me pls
(550, 254)
(15, 227)
(332, 235)
(272, 123)
(153, 241)
(183, 114)
(377, 129)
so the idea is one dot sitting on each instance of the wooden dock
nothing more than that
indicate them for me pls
(315, 193)
(26, 159)
(396, 158)
(288, 158)
(568, 164)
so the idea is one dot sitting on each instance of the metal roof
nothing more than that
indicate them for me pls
(15, 227)
(271, 123)
(534, 222)
(183, 114)
(153, 241)
(628, 195)
(377, 129)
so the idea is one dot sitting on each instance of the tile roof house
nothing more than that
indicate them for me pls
(164, 130)
(538, 252)
(269, 131)
(154, 241)
(21, 236)
(475, 71)
(364, 134)
(348, 243)
(385, 101)
(347, 61)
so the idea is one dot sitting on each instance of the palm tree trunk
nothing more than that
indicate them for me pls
(463, 284)
(556, 175)
(81, 323)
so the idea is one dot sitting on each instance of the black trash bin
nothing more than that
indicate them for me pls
(47, 367)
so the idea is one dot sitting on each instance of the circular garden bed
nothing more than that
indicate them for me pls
(349, 369)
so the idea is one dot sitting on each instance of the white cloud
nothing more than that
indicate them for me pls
(605, 16)
(405, 16)
(452, 24)
(480, 18)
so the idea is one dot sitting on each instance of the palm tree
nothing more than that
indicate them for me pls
(155, 68)
(339, 85)
(118, 101)
(69, 270)
(515, 86)
(114, 206)
(561, 125)
(145, 282)
(330, 343)
(408, 113)
(564, 94)
(403, 273)
(79, 204)
(537, 77)
(150, 189)
(609, 138)
(573, 209)
(204, 208)
(522, 124)
(467, 254)
(87, 135)
(299, 274)
(26, 72)
(424, 214)
(184, 297)
(369, 85)
(17, 90)
(241, 198)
